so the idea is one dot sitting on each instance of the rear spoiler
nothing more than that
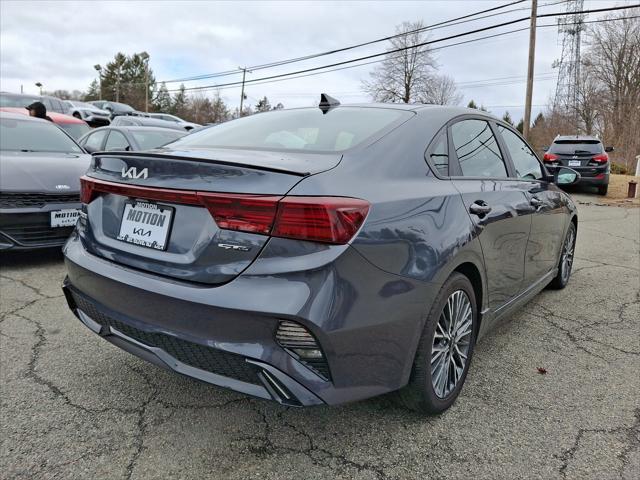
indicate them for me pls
(167, 156)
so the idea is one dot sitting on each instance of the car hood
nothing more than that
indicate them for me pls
(42, 172)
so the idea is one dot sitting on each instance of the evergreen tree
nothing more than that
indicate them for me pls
(162, 102)
(93, 93)
(179, 106)
(263, 105)
(124, 80)
(520, 126)
(507, 118)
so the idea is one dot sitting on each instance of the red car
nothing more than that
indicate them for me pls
(72, 125)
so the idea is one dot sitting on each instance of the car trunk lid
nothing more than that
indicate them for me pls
(172, 213)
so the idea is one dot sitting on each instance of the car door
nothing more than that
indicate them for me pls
(549, 217)
(496, 205)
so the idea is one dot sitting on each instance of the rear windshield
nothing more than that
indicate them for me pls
(570, 147)
(76, 130)
(300, 129)
(34, 136)
(149, 140)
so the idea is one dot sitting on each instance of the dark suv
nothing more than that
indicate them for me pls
(584, 154)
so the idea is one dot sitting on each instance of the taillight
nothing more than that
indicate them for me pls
(246, 213)
(550, 157)
(321, 219)
(602, 158)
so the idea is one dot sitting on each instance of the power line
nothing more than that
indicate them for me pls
(429, 42)
(358, 45)
(434, 49)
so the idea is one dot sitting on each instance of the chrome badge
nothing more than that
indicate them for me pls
(63, 187)
(132, 172)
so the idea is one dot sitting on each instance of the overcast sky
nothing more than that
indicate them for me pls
(58, 43)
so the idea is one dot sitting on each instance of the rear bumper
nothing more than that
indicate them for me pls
(366, 321)
(590, 175)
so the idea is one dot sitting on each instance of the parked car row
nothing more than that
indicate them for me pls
(97, 113)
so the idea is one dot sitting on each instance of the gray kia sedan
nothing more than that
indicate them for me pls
(321, 255)
(40, 170)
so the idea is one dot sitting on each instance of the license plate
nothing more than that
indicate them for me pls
(64, 218)
(146, 224)
(575, 163)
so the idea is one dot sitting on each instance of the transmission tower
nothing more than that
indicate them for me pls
(570, 28)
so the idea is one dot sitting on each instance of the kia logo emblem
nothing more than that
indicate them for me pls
(132, 172)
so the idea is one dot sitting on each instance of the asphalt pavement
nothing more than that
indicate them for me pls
(76, 407)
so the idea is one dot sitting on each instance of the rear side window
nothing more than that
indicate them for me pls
(526, 163)
(94, 141)
(149, 140)
(572, 147)
(300, 129)
(116, 141)
(34, 136)
(477, 149)
(440, 155)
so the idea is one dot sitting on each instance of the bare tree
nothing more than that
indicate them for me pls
(403, 76)
(613, 61)
(440, 90)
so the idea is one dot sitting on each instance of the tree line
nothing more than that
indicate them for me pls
(124, 79)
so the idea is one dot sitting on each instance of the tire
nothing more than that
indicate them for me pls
(602, 189)
(565, 263)
(420, 393)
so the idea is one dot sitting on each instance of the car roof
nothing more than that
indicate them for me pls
(138, 128)
(56, 117)
(6, 113)
(586, 138)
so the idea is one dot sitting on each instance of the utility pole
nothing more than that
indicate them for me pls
(244, 73)
(530, 67)
(145, 57)
(98, 68)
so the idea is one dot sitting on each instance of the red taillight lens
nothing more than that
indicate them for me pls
(602, 158)
(550, 157)
(247, 213)
(322, 219)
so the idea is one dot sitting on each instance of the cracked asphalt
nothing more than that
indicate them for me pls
(74, 406)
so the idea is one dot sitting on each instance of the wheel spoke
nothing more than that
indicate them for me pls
(451, 343)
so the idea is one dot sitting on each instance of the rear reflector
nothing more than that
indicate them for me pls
(321, 219)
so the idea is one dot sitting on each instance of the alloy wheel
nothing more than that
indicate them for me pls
(567, 255)
(451, 343)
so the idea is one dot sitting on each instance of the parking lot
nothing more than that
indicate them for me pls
(74, 406)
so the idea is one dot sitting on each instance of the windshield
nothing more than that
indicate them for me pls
(34, 136)
(301, 129)
(76, 130)
(18, 101)
(149, 140)
(569, 147)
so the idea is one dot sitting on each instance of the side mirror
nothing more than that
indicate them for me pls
(566, 176)
(545, 148)
(608, 149)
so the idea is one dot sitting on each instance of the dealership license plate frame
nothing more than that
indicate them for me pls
(126, 236)
(69, 221)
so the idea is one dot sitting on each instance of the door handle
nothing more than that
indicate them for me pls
(536, 202)
(479, 208)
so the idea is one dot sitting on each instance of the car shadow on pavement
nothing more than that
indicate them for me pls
(26, 258)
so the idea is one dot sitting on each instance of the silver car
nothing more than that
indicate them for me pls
(172, 118)
(91, 114)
